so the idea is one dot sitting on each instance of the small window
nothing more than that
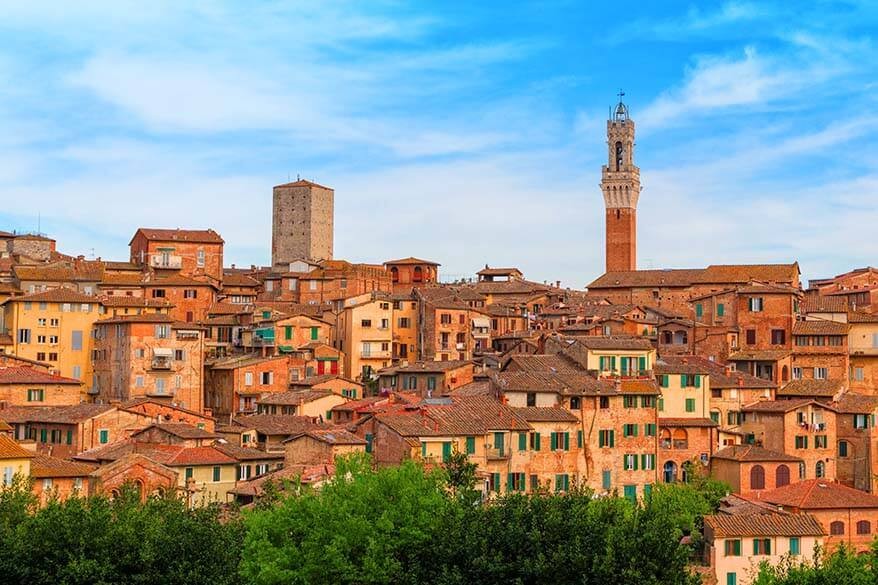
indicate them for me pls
(104, 436)
(836, 528)
(864, 527)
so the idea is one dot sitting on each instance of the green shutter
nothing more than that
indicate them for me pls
(767, 544)
(566, 441)
(602, 363)
(216, 473)
(496, 477)
(554, 441)
(446, 451)
(522, 441)
(369, 438)
(647, 490)
(755, 546)
(314, 332)
(423, 449)
(612, 438)
(69, 437)
(794, 545)
(510, 482)
(690, 405)
(661, 404)
(697, 381)
(288, 332)
(188, 473)
(613, 363)
(624, 365)
(699, 310)
(606, 479)
(470, 445)
(664, 381)
(642, 364)
(732, 578)
(537, 442)
(579, 439)
(684, 380)
(720, 310)
(630, 492)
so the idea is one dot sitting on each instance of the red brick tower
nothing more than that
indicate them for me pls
(620, 184)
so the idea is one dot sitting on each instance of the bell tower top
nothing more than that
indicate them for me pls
(620, 177)
(621, 113)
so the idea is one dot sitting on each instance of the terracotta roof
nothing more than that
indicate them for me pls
(177, 235)
(482, 387)
(9, 449)
(509, 287)
(461, 416)
(646, 278)
(769, 355)
(27, 375)
(486, 271)
(817, 494)
(362, 404)
(221, 308)
(822, 304)
(713, 274)
(56, 295)
(312, 381)
(411, 260)
(730, 525)
(810, 387)
(181, 430)
(247, 453)
(719, 376)
(686, 422)
(4, 428)
(142, 318)
(851, 403)
(132, 301)
(744, 273)
(171, 455)
(87, 271)
(303, 183)
(752, 453)
(819, 328)
(240, 361)
(426, 367)
(559, 382)
(176, 280)
(782, 406)
(44, 466)
(121, 266)
(545, 414)
(540, 363)
(53, 414)
(858, 317)
(334, 436)
(294, 397)
(237, 279)
(614, 342)
(276, 424)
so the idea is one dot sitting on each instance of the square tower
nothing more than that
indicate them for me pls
(302, 216)
(620, 184)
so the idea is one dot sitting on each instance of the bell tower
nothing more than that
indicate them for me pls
(620, 184)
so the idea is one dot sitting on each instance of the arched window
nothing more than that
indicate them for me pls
(681, 439)
(864, 527)
(785, 374)
(669, 472)
(418, 274)
(394, 274)
(757, 477)
(801, 471)
(665, 439)
(619, 155)
(782, 476)
(820, 469)
(836, 528)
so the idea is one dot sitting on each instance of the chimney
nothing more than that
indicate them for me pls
(557, 284)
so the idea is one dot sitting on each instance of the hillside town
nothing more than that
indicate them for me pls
(168, 369)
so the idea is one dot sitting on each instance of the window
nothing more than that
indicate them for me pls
(629, 462)
(647, 461)
(751, 336)
(629, 430)
(560, 441)
(535, 441)
(761, 546)
(431, 383)
(179, 355)
(797, 373)
(312, 285)
(562, 482)
(630, 401)
(366, 323)
(531, 398)
(794, 545)
(820, 441)
(24, 336)
(820, 373)
(604, 402)
(35, 395)
(861, 421)
(403, 323)
(663, 380)
(690, 405)
(77, 372)
(820, 469)
(630, 492)
(216, 473)
(162, 331)
(103, 436)
(189, 471)
(720, 310)
(266, 378)
(607, 479)
(801, 442)
(859, 375)
(158, 293)
(864, 527)
(445, 319)
(53, 357)
(248, 378)
(606, 438)
(138, 381)
(778, 337)
(160, 386)
(575, 403)
(699, 310)
(649, 430)
(757, 477)
(470, 445)
(755, 304)
(190, 293)
(782, 476)
(54, 322)
(343, 283)
(836, 528)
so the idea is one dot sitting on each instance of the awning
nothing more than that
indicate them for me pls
(285, 348)
(162, 351)
(481, 322)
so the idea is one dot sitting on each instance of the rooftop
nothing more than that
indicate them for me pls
(733, 525)
(179, 235)
(815, 494)
(752, 453)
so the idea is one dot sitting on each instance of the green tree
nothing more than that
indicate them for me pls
(461, 476)
(843, 567)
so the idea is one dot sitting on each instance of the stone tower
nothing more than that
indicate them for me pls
(620, 184)
(301, 222)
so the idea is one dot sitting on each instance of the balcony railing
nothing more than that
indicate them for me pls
(493, 453)
(160, 363)
(166, 261)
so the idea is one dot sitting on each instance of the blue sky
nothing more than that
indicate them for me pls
(463, 132)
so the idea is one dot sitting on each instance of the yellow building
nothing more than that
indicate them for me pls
(405, 328)
(611, 356)
(54, 327)
(14, 459)
(364, 332)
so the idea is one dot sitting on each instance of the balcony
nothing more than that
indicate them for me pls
(159, 393)
(160, 363)
(166, 261)
(376, 355)
(495, 454)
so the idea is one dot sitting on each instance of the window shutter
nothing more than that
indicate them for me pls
(720, 310)
(699, 309)
(697, 381)
(566, 441)
(496, 477)
(613, 363)
(684, 380)
(612, 438)
(510, 482)
(643, 461)
(554, 441)
(470, 445)
(579, 439)
(664, 380)
(642, 364)
(602, 363)
(522, 441)
(537, 442)
(636, 429)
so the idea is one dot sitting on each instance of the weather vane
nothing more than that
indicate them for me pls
(621, 95)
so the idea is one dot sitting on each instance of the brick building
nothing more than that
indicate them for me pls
(196, 254)
(406, 273)
(302, 222)
(233, 385)
(620, 185)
